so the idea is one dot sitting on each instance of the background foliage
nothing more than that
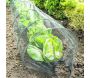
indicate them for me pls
(72, 10)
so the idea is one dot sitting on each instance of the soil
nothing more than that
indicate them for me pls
(15, 69)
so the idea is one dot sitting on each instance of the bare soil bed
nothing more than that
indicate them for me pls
(15, 68)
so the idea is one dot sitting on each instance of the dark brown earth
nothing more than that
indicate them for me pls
(15, 68)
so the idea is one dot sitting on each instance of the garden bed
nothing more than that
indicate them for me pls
(15, 69)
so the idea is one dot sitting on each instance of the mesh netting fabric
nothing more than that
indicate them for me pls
(35, 15)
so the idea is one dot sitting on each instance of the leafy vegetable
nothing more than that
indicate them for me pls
(52, 49)
(49, 49)
(34, 53)
(42, 45)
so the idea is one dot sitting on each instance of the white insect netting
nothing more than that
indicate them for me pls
(42, 41)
